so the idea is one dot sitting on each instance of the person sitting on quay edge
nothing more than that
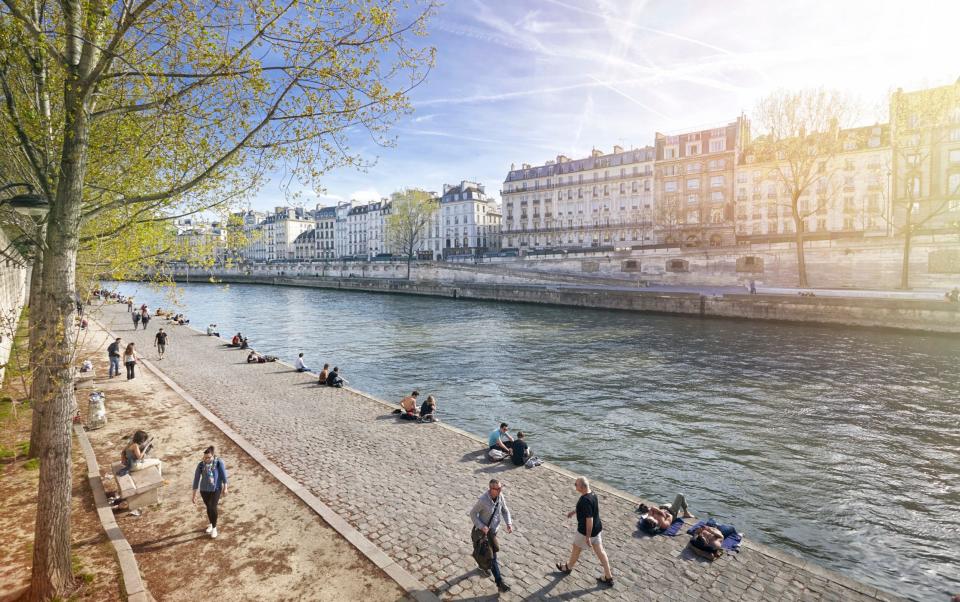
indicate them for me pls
(408, 406)
(244, 343)
(299, 365)
(660, 519)
(255, 358)
(520, 450)
(235, 341)
(324, 374)
(500, 439)
(212, 331)
(953, 296)
(428, 410)
(334, 379)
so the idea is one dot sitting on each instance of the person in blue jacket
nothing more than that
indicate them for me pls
(211, 478)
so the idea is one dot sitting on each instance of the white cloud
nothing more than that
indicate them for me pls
(366, 195)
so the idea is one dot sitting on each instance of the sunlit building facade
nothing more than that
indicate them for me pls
(604, 200)
(849, 192)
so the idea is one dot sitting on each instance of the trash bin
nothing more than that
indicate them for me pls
(97, 414)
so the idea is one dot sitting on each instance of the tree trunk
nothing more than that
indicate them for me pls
(905, 263)
(801, 258)
(52, 574)
(37, 352)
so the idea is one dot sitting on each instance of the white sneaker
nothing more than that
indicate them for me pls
(213, 533)
(209, 528)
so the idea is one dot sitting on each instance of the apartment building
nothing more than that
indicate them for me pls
(604, 200)
(466, 222)
(272, 239)
(326, 218)
(360, 231)
(925, 158)
(694, 184)
(849, 192)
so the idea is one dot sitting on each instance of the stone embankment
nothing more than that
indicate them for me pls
(903, 314)
(407, 488)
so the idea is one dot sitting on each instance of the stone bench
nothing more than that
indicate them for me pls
(139, 488)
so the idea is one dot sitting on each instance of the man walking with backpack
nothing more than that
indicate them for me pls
(487, 515)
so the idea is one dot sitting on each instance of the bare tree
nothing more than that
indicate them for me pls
(924, 189)
(130, 108)
(407, 225)
(801, 138)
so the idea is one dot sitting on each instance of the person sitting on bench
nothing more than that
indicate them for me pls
(134, 454)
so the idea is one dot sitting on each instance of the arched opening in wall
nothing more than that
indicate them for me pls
(716, 240)
(750, 264)
(630, 265)
(692, 241)
(678, 265)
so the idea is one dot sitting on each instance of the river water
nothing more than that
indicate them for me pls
(839, 445)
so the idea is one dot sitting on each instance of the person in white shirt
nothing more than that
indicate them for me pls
(299, 365)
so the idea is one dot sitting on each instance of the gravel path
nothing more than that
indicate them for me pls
(407, 487)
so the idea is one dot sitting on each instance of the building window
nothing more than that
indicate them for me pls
(693, 184)
(955, 155)
(693, 199)
(670, 186)
(953, 185)
(717, 181)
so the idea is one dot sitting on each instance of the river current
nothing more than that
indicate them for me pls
(838, 445)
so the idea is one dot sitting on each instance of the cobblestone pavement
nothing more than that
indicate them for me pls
(407, 487)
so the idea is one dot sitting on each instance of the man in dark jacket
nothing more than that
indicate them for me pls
(113, 354)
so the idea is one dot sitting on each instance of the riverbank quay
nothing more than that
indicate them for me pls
(923, 315)
(271, 545)
(408, 487)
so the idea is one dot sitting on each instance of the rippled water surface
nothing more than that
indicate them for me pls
(836, 444)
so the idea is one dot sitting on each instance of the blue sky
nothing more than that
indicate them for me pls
(524, 80)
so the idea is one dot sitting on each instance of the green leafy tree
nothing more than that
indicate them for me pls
(119, 113)
(408, 222)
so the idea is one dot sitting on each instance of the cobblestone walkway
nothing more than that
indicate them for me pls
(407, 487)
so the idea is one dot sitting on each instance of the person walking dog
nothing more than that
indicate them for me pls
(487, 515)
(589, 530)
(211, 479)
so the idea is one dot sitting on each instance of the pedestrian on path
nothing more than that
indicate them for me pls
(113, 353)
(145, 318)
(130, 305)
(130, 360)
(211, 478)
(487, 515)
(160, 342)
(589, 532)
(753, 286)
(136, 319)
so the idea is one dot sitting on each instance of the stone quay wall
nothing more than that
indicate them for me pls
(845, 263)
(901, 314)
(13, 295)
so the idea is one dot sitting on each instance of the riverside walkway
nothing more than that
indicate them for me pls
(407, 487)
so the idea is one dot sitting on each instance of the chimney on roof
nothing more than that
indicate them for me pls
(596, 153)
(562, 158)
(446, 187)
(526, 166)
(617, 149)
(513, 166)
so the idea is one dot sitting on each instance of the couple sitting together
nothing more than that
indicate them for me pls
(503, 446)
(409, 411)
(706, 538)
